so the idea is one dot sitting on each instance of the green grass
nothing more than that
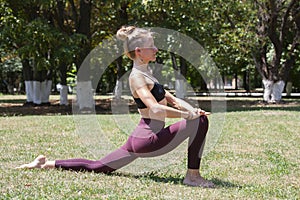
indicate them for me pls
(257, 157)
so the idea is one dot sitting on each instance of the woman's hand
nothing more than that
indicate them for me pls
(192, 115)
(195, 114)
(201, 112)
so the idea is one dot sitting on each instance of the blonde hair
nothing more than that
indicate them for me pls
(133, 37)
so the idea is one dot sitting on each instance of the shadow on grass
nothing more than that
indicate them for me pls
(174, 179)
(12, 101)
(268, 108)
(14, 107)
(237, 105)
(225, 184)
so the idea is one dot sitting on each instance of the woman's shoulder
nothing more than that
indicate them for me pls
(145, 76)
(137, 79)
(134, 74)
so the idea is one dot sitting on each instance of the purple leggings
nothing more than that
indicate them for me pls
(150, 138)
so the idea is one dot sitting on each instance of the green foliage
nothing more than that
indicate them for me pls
(226, 29)
(38, 39)
(9, 62)
(71, 76)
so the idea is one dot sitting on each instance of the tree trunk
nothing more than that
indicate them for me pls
(157, 70)
(236, 81)
(37, 99)
(84, 88)
(118, 89)
(180, 83)
(28, 79)
(246, 81)
(84, 28)
(47, 87)
(63, 92)
(119, 84)
(277, 91)
(180, 88)
(288, 88)
(273, 91)
(42, 82)
(63, 88)
(45, 91)
(123, 19)
(279, 23)
(85, 95)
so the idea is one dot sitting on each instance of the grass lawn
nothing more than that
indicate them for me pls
(257, 157)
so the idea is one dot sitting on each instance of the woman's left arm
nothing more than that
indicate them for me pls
(182, 105)
(178, 103)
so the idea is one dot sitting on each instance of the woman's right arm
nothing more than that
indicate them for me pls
(183, 105)
(158, 111)
(178, 103)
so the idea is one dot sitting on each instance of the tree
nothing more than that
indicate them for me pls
(222, 27)
(155, 14)
(47, 35)
(278, 32)
(30, 36)
(58, 34)
(10, 64)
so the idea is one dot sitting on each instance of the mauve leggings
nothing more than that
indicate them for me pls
(150, 138)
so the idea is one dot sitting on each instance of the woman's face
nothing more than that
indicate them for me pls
(148, 52)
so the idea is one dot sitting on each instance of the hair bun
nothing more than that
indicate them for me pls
(124, 32)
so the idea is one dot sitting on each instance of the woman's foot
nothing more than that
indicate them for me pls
(193, 178)
(37, 163)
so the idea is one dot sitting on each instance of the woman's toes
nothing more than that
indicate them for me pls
(37, 163)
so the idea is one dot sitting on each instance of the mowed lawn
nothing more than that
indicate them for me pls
(257, 157)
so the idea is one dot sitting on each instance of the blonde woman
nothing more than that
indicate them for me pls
(151, 137)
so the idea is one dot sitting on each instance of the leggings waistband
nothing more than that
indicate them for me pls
(153, 124)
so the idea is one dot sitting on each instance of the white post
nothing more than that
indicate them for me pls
(277, 91)
(85, 95)
(63, 95)
(289, 87)
(180, 88)
(118, 90)
(29, 91)
(37, 92)
(46, 90)
(268, 87)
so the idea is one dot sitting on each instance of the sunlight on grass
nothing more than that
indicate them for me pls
(257, 157)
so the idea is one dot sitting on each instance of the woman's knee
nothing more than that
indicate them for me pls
(203, 122)
(204, 119)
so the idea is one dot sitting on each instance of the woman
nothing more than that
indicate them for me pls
(150, 137)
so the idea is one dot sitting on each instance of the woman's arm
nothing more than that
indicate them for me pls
(158, 111)
(183, 105)
(178, 103)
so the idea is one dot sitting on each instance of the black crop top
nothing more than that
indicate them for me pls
(157, 91)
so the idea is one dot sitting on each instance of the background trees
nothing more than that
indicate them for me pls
(245, 39)
(277, 49)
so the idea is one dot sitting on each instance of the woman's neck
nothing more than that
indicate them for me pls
(140, 66)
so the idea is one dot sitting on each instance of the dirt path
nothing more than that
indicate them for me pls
(14, 106)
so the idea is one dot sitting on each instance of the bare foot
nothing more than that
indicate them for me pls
(193, 178)
(37, 163)
(198, 181)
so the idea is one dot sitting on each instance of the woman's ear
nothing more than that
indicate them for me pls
(137, 52)
(137, 49)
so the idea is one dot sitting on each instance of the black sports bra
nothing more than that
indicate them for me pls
(157, 91)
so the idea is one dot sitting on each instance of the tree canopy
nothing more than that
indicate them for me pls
(239, 35)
